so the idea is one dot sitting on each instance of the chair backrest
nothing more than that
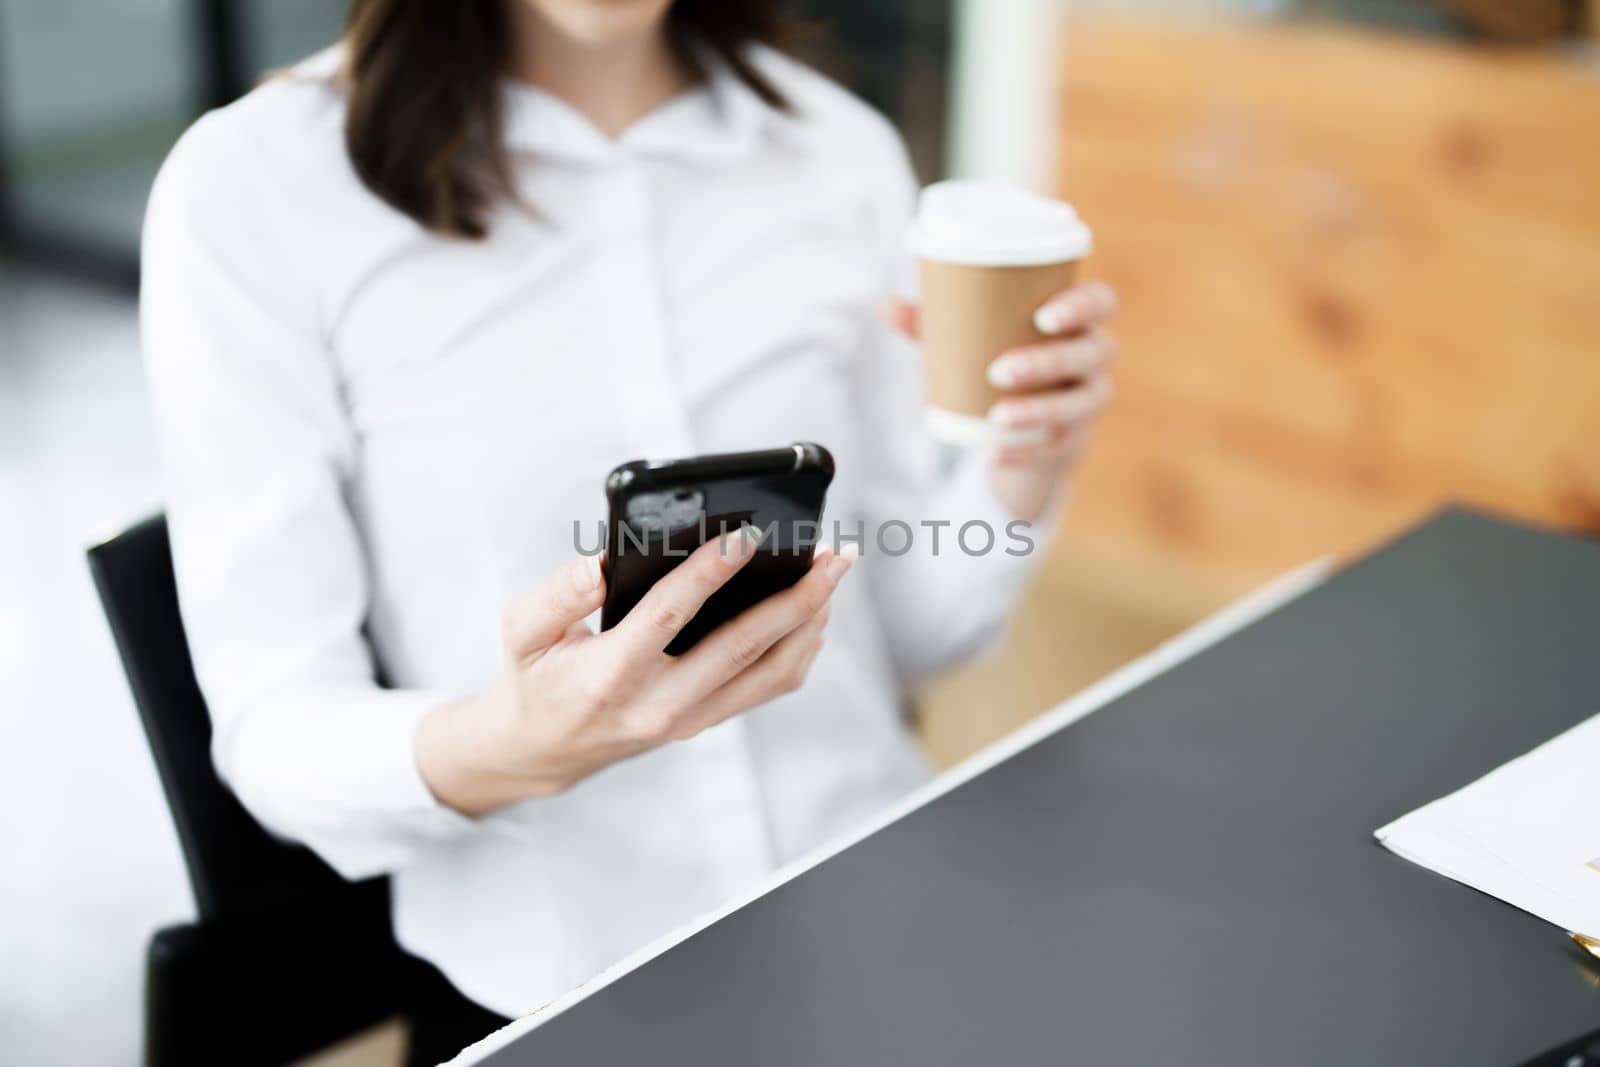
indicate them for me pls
(235, 867)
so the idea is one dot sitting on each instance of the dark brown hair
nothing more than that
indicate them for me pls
(423, 125)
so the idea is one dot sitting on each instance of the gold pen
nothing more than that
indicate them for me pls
(1591, 945)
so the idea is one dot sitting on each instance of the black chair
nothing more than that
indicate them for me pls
(286, 956)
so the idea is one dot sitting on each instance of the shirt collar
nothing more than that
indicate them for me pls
(719, 120)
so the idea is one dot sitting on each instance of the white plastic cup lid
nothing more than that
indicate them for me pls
(995, 224)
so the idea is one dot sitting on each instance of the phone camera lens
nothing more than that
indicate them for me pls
(665, 512)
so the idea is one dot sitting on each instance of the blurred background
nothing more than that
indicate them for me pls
(1357, 244)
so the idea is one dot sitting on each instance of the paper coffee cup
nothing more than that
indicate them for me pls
(989, 255)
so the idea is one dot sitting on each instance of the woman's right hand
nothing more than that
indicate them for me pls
(571, 702)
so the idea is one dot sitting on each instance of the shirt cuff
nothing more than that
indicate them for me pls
(389, 762)
(1020, 547)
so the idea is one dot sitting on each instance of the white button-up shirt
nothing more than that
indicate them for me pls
(376, 436)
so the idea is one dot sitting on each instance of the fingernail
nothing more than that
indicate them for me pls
(1006, 414)
(737, 544)
(850, 550)
(841, 563)
(1049, 319)
(586, 576)
(1002, 373)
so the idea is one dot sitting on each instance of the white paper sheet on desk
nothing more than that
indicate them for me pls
(1527, 833)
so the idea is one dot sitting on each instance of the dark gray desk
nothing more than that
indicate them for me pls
(1187, 876)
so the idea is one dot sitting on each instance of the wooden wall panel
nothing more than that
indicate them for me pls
(1361, 275)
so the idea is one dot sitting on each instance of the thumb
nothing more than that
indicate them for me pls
(903, 316)
(539, 619)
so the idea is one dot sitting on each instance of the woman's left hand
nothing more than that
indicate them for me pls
(1062, 383)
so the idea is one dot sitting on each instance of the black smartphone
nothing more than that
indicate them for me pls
(660, 511)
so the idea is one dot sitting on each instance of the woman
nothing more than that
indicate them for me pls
(403, 308)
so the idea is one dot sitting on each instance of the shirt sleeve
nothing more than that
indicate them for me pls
(271, 571)
(948, 597)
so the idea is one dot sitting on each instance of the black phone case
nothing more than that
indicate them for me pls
(780, 491)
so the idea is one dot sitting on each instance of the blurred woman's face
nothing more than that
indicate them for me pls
(599, 21)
